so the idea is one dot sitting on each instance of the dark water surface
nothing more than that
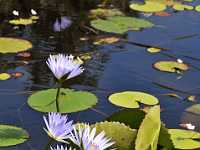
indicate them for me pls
(113, 68)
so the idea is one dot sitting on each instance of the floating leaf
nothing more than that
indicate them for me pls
(131, 99)
(34, 17)
(120, 24)
(153, 50)
(181, 7)
(85, 56)
(131, 118)
(13, 45)
(106, 40)
(173, 95)
(122, 135)
(184, 139)
(197, 8)
(21, 21)
(103, 12)
(148, 133)
(170, 66)
(69, 100)
(11, 135)
(195, 109)
(149, 6)
(4, 76)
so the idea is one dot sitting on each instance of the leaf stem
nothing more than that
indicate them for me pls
(57, 97)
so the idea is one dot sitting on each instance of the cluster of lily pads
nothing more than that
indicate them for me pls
(140, 129)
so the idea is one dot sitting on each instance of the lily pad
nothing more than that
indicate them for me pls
(148, 133)
(184, 139)
(170, 66)
(149, 6)
(11, 135)
(13, 45)
(69, 100)
(22, 21)
(197, 8)
(122, 135)
(5, 76)
(131, 99)
(181, 7)
(154, 50)
(106, 40)
(103, 12)
(120, 24)
(195, 109)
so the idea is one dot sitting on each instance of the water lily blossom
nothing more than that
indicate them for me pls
(58, 127)
(33, 12)
(62, 65)
(15, 12)
(62, 148)
(85, 138)
(61, 23)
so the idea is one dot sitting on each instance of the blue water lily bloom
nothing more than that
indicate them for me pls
(62, 65)
(62, 148)
(58, 127)
(61, 24)
(87, 139)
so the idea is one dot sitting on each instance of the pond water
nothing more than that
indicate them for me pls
(121, 66)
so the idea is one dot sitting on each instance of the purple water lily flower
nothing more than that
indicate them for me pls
(61, 24)
(62, 148)
(62, 65)
(87, 139)
(58, 126)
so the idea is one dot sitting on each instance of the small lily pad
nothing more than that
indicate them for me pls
(195, 109)
(184, 139)
(154, 50)
(122, 135)
(103, 12)
(181, 7)
(11, 135)
(131, 99)
(69, 100)
(149, 6)
(197, 8)
(21, 21)
(120, 24)
(13, 45)
(170, 66)
(106, 40)
(5, 76)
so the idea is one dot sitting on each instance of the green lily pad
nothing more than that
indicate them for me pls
(23, 21)
(131, 99)
(69, 100)
(195, 109)
(122, 135)
(149, 6)
(170, 66)
(13, 45)
(148, 133)
(181, 7)
(4, 76)
(120, 24)
(185, 139)
(11, 135)
(131, 117)
(103, 12)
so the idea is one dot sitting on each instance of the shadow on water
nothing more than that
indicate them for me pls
(113, 68)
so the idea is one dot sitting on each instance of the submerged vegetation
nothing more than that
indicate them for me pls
(87, 57)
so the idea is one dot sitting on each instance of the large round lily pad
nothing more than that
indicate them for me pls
(122, 135)
(13, 45)
(120, 24)
(11, 135)
(170, 66)
(185, 139)
(131, 99)
(69, 100)
(149, 6)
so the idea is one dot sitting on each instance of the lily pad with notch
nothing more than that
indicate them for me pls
(69, 100)
(131, 99)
